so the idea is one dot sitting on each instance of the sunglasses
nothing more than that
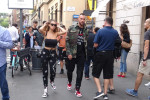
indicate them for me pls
(54, 25)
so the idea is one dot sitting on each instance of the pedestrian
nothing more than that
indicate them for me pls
(34, 27)
(38, 39)
(76, 42)
(90, 53)
(104, 43)
(5, 43)
(125, 36)
(48, 55)
(15, 36)
(144, 67)
(62, 49)
(29, 40)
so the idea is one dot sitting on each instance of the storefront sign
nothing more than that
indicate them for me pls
(71, 9)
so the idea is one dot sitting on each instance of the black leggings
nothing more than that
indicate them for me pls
(48, 56)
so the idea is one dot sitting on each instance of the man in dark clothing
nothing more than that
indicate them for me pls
(76, 42)
(104, 43)
(34, 28)
(28, 39)
(90, 53)
(38, 39)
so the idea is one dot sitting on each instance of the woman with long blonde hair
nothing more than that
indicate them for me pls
(48, 54)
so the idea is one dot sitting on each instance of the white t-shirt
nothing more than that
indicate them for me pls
(13, 33)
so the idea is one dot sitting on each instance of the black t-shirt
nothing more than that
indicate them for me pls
(147, 37)
(80, 43)
(34, 29)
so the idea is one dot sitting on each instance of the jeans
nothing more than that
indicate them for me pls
(87, 64)
(123, 65)
(70, 64)
(3, 83)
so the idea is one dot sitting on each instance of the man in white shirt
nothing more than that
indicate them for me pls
(14, 32)
(15, 36)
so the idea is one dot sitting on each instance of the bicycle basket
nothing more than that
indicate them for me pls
(23, 52)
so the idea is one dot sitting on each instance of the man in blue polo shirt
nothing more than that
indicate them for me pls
(104, 43)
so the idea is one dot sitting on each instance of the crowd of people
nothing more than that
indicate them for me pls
(79, 46)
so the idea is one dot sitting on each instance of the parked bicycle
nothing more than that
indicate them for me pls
(18, 56)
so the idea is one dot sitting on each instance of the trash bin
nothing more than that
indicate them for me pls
(36, 61)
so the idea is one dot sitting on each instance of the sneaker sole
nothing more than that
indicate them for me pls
(131, 94)
(53, 89)
(78, 96)
(99, 96)
(69, 89)
(45, 96)
(147, 85)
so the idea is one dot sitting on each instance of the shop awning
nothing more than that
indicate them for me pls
(129, 4)
(99, 8)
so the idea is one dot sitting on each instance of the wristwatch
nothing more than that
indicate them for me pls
(144, 59)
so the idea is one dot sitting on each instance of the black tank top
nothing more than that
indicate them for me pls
(50, 43)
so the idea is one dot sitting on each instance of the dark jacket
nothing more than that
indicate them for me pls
(27, 38)
(39, 37)
(90, 44)
(126, 38)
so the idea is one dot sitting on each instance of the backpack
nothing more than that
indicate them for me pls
(117, 48)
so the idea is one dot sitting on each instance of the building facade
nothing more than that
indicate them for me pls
(60, 10)
(136, 18)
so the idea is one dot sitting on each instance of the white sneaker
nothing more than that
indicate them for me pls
(148, 84)
(45, 93)
(53, 85)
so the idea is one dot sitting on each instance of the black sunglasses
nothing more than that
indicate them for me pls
(54, 25)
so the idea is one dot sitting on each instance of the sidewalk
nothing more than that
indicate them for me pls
(25, 87)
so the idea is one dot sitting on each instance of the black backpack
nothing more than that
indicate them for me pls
(117, 49)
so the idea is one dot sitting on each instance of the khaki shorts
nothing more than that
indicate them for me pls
(144, 69)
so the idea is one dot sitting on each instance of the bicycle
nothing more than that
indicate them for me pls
(18, 55)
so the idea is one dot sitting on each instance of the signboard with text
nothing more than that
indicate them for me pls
(20, 4)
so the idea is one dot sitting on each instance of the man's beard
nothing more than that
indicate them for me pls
(82, 24)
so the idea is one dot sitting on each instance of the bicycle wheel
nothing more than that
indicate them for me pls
(27, 65)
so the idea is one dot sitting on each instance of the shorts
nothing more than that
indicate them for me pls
(144, 69)
(62, 54)
(103, 61)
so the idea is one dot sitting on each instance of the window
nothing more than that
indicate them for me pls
(147, 12)
(48, 14)
(56, 11)
(61, 12)
(52, 13)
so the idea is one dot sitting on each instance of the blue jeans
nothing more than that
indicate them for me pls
(3, 83)
(87, 64)
(123, 65)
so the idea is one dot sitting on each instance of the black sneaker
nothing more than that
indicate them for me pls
(62, 71)
(99, 94)
(111, 91)
(105, 97)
